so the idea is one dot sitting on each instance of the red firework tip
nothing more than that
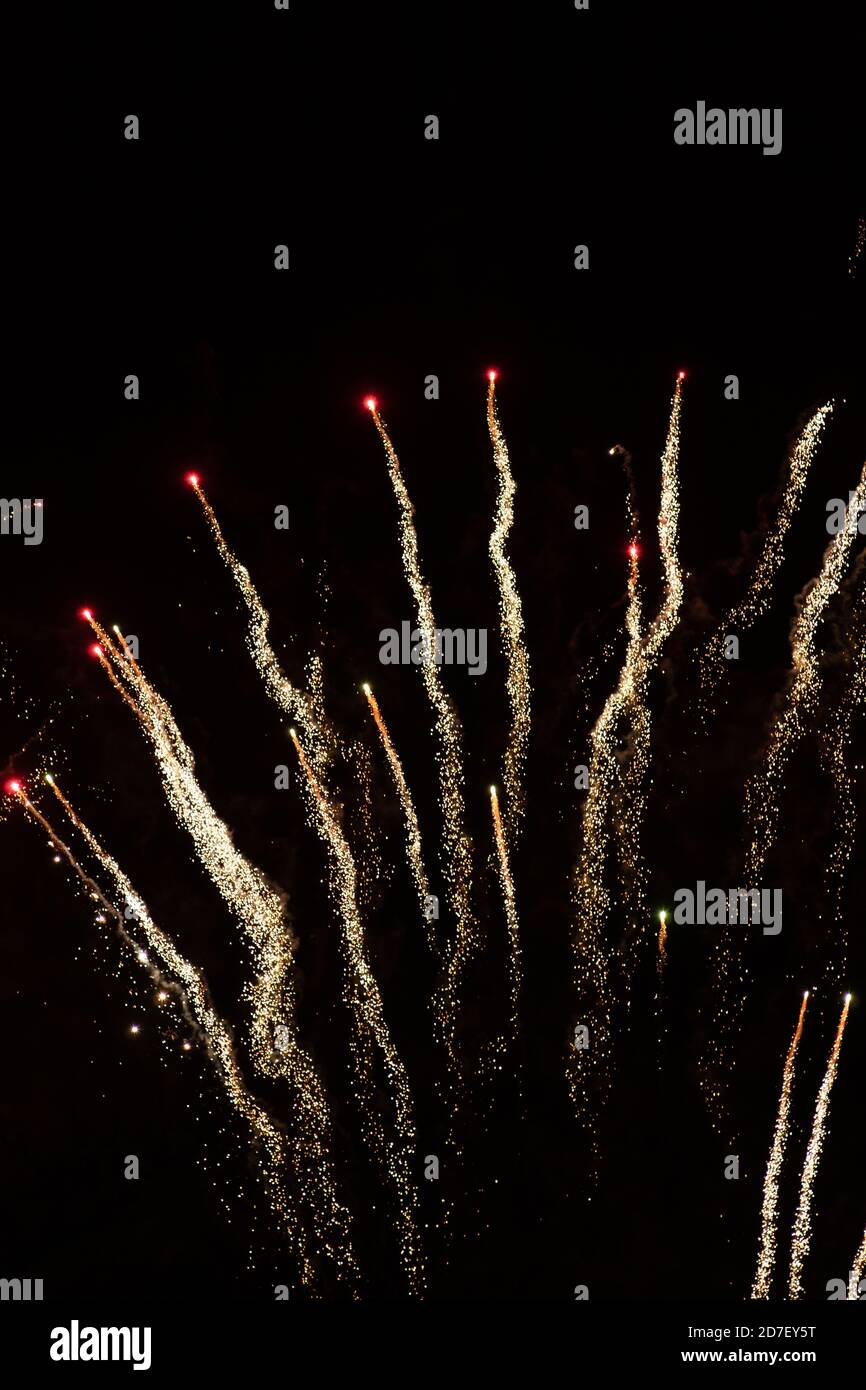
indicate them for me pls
(681, 376)
(192, 479)
(13, 788)
(96, 650)
(370, 402)
(492, 374)
(85, 613)
(632, 550)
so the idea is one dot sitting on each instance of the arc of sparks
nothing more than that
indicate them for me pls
(515, 971)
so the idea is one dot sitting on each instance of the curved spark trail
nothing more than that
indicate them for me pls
(330, 1237)
(511, 620)
(304, 708)
(259, 909)
(760, 592)
(507, 885)
(590, 893)
(456, 851)
(801, 1235)
(413, 830)
(364, 1004)
(764, 790)
(770, 1208)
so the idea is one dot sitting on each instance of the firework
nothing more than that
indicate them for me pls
(802, 1233)
(413, 831)
(760, 591)
(511, 620)
(364, 1004)
(857, 1268)
(456, 850)
(770, 1208)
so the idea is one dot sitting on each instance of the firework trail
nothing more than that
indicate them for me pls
(802, 1233)
(511, 620)
(514, 955)
(770, 1208)
(591, 895)
(857, 1270)
(662, 958)
(413, 831)
(365, 1010)
(762, 797)
(757, 600)
(764, 789)
(837, 745)
(212, 1031)
(259, 909)
(456, 852)
(304, 708)
(859, 241)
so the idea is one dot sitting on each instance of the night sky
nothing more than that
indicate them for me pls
(410, 257)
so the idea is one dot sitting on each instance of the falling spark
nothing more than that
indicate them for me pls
(514, 955)
(364, 1004)
(456, 852)
(413, 831)
(511, 620)
(259, 909)
(663, 941)
(627, 702)
(757, 600)
(770, 1208)
(802, 1233)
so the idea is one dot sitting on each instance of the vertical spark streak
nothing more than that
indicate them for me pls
(364, 1004)
(662, 958)
(413, 831)
(770, 1208)
(802, 1233)
(456, 850)
(259, 909)
(514, 956)
(759, 594)
(213, 1032)
(590, 894)
(857, 1270)
(511, 620)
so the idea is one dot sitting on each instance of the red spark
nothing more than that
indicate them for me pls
(95, 650)
(13, 788)
(86, 614)
(370, 402)
(192, 479)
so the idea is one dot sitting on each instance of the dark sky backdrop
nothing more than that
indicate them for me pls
(410, 257)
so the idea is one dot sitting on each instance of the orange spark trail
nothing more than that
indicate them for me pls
(514, 956)
(770, 1208)
(413, 831)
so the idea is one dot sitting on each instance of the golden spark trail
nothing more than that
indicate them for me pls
(413, 831)
(514, 955)
(456, 851)
(802, 1233)
(511, 620)
(764, 790)
(303, 707)
(662, 958)
(590, 894)
(259, 909)
(364, 1004)
(857, 1270)
(770, 1208)
(757, 599)
(213, 1032)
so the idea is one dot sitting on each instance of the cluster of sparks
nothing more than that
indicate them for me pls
(298, 1170)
